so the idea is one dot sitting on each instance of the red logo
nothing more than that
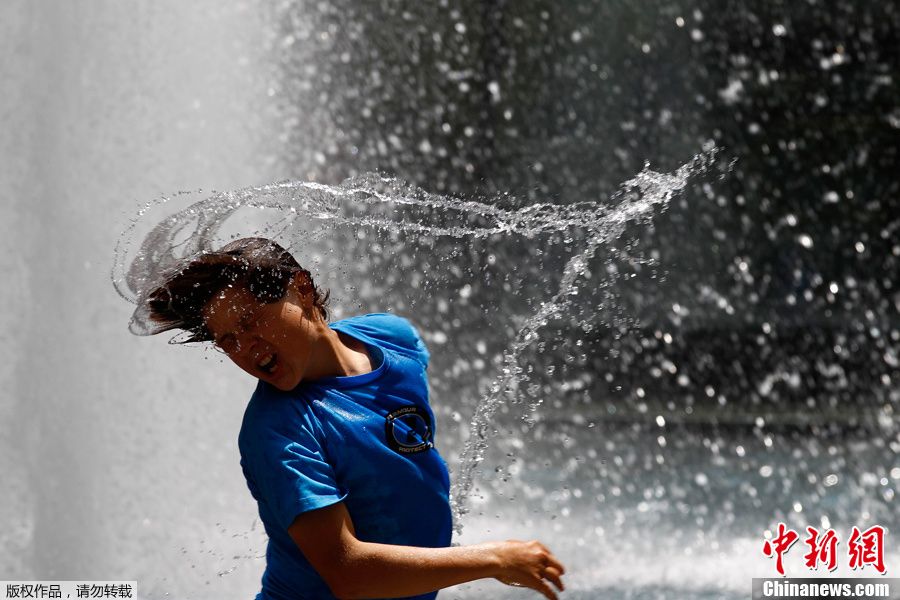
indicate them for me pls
(864, 548)
(870, 551)
(786, 538)
(822, 549)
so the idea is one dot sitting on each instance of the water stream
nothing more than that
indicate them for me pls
(305, 212)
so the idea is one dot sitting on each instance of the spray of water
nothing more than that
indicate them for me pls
(385, 203)
(638, 197)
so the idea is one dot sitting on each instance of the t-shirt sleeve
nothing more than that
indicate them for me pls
(289, 468)
(421, 351)
(396, 332)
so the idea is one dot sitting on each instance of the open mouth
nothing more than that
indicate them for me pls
(268, 363)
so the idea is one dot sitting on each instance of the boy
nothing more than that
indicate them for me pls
(337, 441)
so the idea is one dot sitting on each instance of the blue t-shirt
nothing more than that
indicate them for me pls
(366, 440)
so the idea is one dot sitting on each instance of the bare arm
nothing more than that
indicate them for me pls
(356, 569)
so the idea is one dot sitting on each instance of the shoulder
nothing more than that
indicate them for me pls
(392, 331)
(273, 413)
(383, 326)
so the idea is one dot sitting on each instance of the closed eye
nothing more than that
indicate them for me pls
(250, 320)
(227, 342)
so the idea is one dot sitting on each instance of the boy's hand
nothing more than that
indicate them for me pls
(528, 564)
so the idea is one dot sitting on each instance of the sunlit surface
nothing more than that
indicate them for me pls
(739, 363)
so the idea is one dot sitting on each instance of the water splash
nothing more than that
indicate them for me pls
(638, 196)
(375, 201)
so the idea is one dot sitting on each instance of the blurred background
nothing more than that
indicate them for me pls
(747, 373)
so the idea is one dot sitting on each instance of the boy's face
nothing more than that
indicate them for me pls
(272, 342)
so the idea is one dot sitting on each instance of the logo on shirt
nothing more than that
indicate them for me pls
(408, 430)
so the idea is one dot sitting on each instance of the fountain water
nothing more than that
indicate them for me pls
(760, 387)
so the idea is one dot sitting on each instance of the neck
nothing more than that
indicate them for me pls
(335, 354)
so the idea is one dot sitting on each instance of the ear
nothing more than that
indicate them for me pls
(301, 286)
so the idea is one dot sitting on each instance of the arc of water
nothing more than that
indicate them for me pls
(157, 256)
(653, 189)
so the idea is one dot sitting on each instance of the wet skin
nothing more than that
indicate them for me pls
(283, 342)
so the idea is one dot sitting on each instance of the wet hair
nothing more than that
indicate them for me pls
(259, 264)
